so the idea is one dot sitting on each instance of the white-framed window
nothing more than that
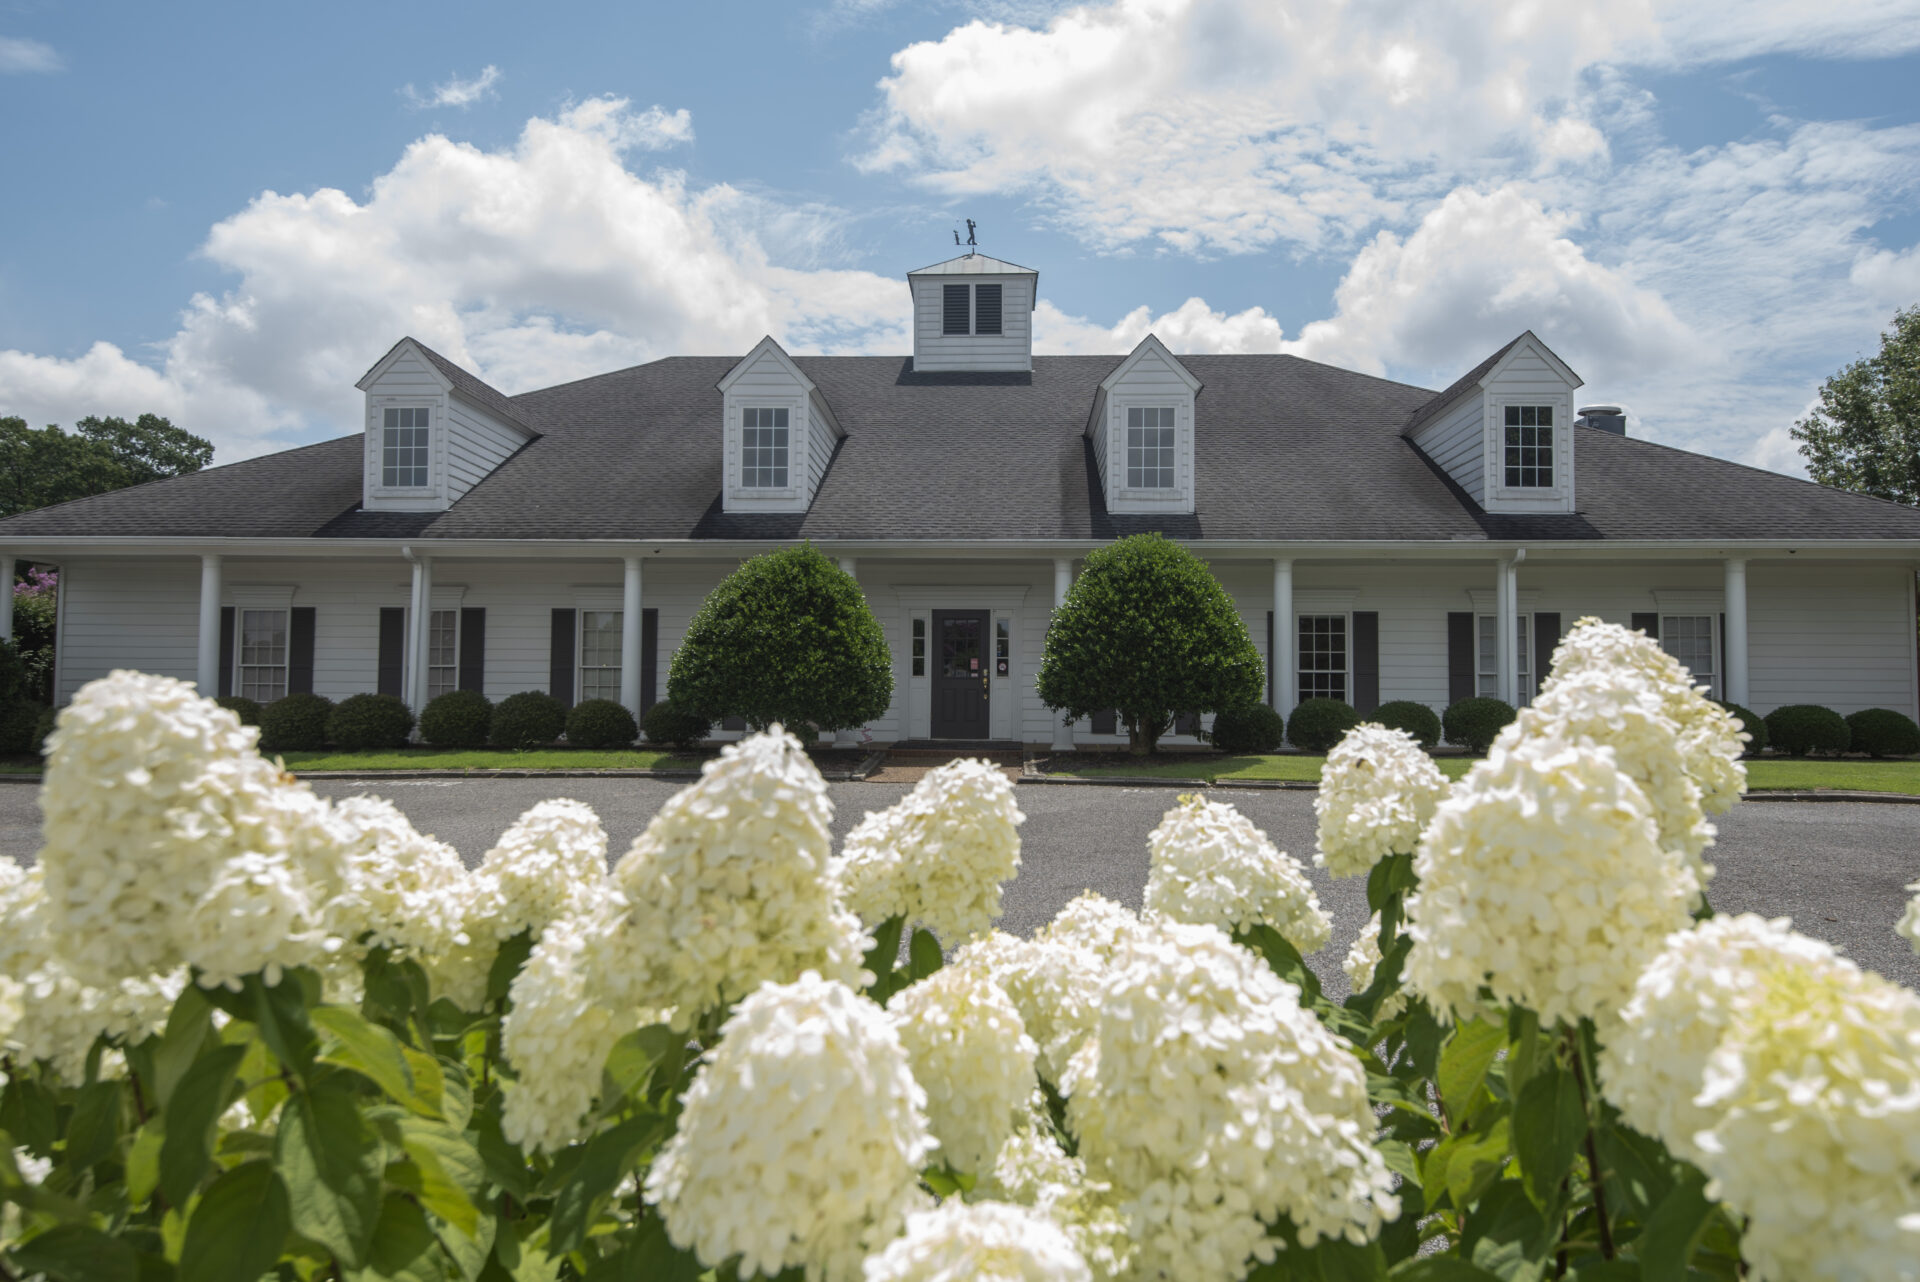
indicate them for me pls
(763, 448)
(1690, 639)
(1323, 656)
(1528, 447)
(1487, 666)
(443, 652)
(600, 654)
(919, 646)
(261, 658)
(404, 460)
(1150, 447)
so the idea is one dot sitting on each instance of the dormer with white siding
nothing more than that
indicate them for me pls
(778, 432)
(1142, 428)
(433, 431)
(973, 313)
(1504, 430)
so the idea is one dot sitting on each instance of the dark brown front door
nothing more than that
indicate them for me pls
(960, 677)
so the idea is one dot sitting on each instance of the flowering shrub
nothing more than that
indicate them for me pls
(247, 1032)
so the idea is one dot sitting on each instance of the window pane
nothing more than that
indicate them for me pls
(1323, 656)
(600, 632)
(263, 654)
(1150, 448)
(1689, 638)
(1528, 447)
(919, 647)
(763, 448)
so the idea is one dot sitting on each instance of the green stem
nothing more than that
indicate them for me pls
(1589, 1105)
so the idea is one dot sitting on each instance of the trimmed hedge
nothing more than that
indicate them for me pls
(248, 710)
(668, 722)
(42, 727)
(1801, 728)
(1475, 723)
(1318, 724)
(1417, 719)
(600, 723)
(370, 722)
(457, 719)
(530, 719)
(1753, 723)
(18, 718)
(295, 723)
(1882, 732)
(1251, 727)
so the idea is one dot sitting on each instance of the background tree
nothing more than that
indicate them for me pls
(1865, 434)
(35, 595)
(1148, 630)
(787, 637)
(41, 466)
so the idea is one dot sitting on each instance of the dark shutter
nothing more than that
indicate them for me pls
(1720, 679)
(953, 314)
(560, 658)
(1187, 723)
(733, 723)
(1546, 635)
(227, 624)
(1105, 721)
(1649, 624)
(392, 676)
(1366, 661)
(300, 651)
(1270, 675)
(649, 658)
(1460, 668)
(473, 650)
(986, 309)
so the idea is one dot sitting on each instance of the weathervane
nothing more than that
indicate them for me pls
(970, 242)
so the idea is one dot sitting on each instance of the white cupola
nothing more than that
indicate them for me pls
(973, 313)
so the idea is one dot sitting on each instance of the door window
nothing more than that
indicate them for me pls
(960, 649)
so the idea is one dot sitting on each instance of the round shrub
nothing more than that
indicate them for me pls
(1249, 727)
(296, 723)
(1318, 724)
(1800, 728)
(668, 722)
(1417, 719)
(42, 727)
(370, 722)
(18, 717)
(1882, 732)
(530, 719)
(457, 719)
(1753, 723)
(248, 710)
(1474, 723)
(600, 723)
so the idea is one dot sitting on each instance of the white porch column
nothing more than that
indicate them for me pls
(1286, 671)
(630, 621)
(1062, 583)
(207, 675)
(1506, 629)
(1735, 677)
(6, 597)
(419, 622)
(849, 738)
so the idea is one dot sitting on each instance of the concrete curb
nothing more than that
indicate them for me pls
(1295, 785)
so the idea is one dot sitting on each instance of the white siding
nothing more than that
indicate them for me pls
(476, 443)
(465, 442)
(767, 381)
(1455, 443)
(1011, 349)
(1528, 377)
(1150, 381)
(1832, 635)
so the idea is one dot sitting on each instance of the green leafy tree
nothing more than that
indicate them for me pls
(1148, 630)
(41, 466)
(1865, 434)
(787, 637)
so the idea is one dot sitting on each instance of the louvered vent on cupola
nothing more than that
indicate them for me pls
(973, 313)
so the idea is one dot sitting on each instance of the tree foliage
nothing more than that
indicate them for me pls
(1147, 629)
(41, 466)
(787, 637)
(1865, 433)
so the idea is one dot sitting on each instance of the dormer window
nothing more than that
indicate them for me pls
(763, 448)
(1529, 447)
(970, 309)
(403, 449)
(1150, 447)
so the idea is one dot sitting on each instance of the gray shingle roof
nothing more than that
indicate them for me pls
(1287, 449)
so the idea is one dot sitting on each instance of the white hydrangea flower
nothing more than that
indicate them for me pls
(802, 1138)
(1792, 1078)
(404, 890)
(1377, 792)
(1211, 866)
(732, 885)
(1362, 963)
(978, 1242)
(1033, 1170)
(170, 840)
(940, 856)
(1542, 878)
(551, 863)
(1212, 1102)
(971, 1054)
(1909, 923)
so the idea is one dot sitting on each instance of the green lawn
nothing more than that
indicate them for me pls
(491, 759)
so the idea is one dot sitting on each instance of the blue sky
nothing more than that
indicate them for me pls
(224, 212)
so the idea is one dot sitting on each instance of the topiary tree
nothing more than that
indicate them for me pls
(295, 723)
(530, 719)
(600, 723)
(1882, 732)
(1318, 724)
(1252, 727)
(1417, 719)
(1147, 629)
(1800, 728)
(787, 637)
(1753, 723)
(1474, 723)
(457, 719)
(668, 722)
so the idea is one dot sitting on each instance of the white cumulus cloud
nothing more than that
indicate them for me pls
(19, 55)
(455, 92)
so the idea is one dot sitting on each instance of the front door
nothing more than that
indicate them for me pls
(960, 677)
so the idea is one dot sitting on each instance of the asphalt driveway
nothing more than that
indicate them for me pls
(1838, 869)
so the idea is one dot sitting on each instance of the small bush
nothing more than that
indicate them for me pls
(1318, 724)
(1251, 727)
(1417, 719)
(600, 723)
(295, 723)
(42, 727)
(1753, 724)
(1800, 728)
(248, 710)
(457, 719)
(370, 723)
(530, 719)
(668, 722)
(1474, 723)
(18, 717)
(1882, 732)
